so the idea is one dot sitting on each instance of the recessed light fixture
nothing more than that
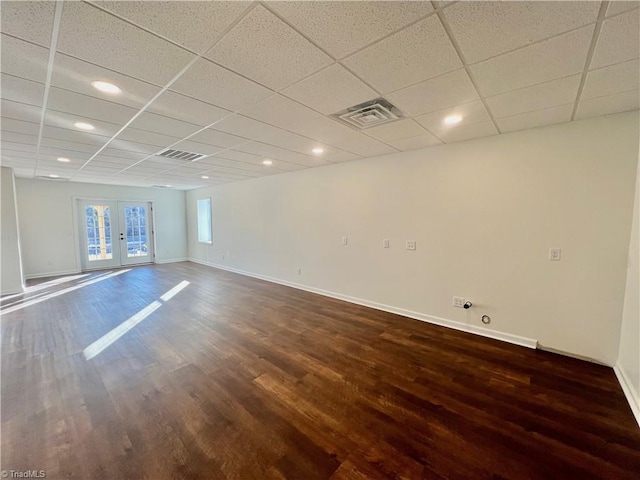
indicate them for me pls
(53, 175)
(318, 151)
(266, 161)
(84, 126)
(452, 119)
(63, 160)
(106, 87)
(205, 176)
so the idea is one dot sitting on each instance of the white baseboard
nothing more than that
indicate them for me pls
(444, 322)
(51, 274)
(172, 260)
(633, 397)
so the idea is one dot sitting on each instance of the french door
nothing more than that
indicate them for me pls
(114, 233)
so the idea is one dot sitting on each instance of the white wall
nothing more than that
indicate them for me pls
(47, 228)
(484, 214)
(11, 280)
(628, 366)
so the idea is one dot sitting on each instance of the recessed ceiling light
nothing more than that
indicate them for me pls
(452, 119)
(53, 175)
(84, 126)
(318, 150)
(205, 176)
(63, 160)
(106, 87)
(266, 161)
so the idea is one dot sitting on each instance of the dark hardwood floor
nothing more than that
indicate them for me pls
(242, 379)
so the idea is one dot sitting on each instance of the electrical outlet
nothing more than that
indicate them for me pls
(458, 302)
(555, 254)
(385, 243)
(411, 244)
(345, 240)
(299, 270)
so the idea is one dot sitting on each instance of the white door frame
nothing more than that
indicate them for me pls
(76, 223)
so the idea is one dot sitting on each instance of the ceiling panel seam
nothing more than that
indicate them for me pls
(594, 40)
(57, 20)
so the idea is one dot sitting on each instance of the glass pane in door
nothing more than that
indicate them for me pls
(136, 225)
(98, 231)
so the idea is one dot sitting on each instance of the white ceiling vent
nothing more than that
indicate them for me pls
(370, 114)
(180, 155)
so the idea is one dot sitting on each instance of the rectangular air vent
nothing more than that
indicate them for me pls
(369, 114)
(180, 155)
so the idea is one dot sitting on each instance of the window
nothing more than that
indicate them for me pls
(205, 229)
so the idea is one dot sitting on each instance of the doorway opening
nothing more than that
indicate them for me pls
(115, 233)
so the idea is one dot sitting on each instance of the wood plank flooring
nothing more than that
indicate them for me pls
(235, 378)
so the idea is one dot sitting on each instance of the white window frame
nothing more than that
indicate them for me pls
(205, 221)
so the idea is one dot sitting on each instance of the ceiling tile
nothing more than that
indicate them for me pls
(620, 102)
(150, 138)
(244, 127)
(419, 52)
(88, 107)
(115, 161)
(537, 97)
(454, 88)
(122, 154)
(97, 37)
(61, 152)
(397, 130)
(331, 90)
(619, 40)
(74, 147)
(196, 147)
(213, 137)
(276, 153)
(32, 21)
(298, 143)
(363, 145)
(194, 25)
(19, 126)
(187, 109)
(23, 59)
(66, 121)
(8, 149)
(75, 136)
(539, 118)
(341, 28)
(21, 90)
(268, 51)
(17, 146)
(613, 79)
(282, 112)
(164, 125)
(619, 6)
(547, 60)
(238, 156)
(76, 75)
(223, 162)
(471, 113)
(414, 143)
(20, 111)
(137, 147)
(485, 29)
(467, 132)
(213, 84)
(14, 137)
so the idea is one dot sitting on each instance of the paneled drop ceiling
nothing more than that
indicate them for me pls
(242, 82)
